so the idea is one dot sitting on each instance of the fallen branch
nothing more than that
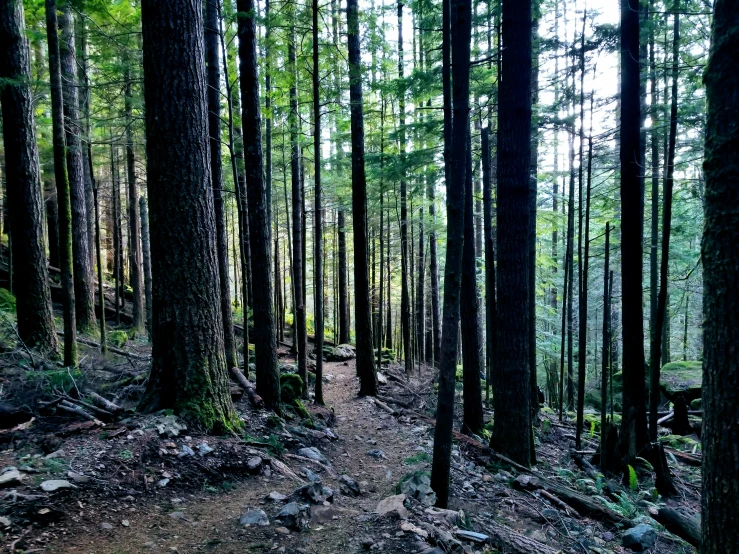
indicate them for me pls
(666, 418)
(103, 402)
(112, 349)
(385, 407)
(283, 469)
(557, 502)
(251, 391)
(70, 408)
(328, 469)
(104, 414)
(688, 459)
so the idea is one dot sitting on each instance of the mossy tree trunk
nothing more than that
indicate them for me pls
(720, 252)
(188, 373)
(31, 276)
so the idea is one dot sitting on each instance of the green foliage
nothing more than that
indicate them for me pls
(7, 301)
(118, 338)
(633, 479)
(419, 458)
(300, 409)
(56, 380)
(126, 455)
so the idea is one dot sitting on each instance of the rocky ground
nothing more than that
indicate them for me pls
(351, 478)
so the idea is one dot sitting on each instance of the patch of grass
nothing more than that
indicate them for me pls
(61, 379)
(7, 301)
(55, 465)
(126, 455)
(417, 459)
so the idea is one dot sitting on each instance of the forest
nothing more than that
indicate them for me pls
(393, 275)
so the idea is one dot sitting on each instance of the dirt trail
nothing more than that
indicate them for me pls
(208, 521)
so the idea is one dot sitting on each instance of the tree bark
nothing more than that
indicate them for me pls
(720, 254)
(363, 317)
(318, 212)
(134, 224)
(83, 275)
(470, 317)
(212, 39)
(31, 276)
(512, 431)
(658, 345)
(146, 256)
(62, 187)
(188, 372)
(265, 345)
(634, 423)
(460, 31)
(490, 303)
(301, 341)
(343, 300)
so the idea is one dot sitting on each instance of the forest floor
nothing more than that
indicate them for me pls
(143, 484)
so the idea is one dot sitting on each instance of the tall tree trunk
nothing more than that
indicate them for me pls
(62, 187)
(101, 295)
(434, 275)
(318, 212)
(84, 110)
(146, 258)
(188, 371)
(265, 345)
(134, 225)
(52, 223)
(490, 304)
(634, 423)
(343, 293)
(720, 253)
(363, 318)
(470, 318)
(657, 345)
(405, 307)
(512, 432)
(213, 75)
(606, 352)
(31, 275)
(534, 389)
(654, 114)
(460, 31)
(83, 277)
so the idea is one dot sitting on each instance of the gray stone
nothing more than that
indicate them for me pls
(472, 536)
(275, 496)
(418, 486)
(11, 478)
(375, 453)
(204, 449)
(290, 515)
(185, 451)
(312, 453)
(311, 476)
(393, 504)
(349, 486)
(56, 484)
(78, 477)
(5, 522)
(639, 538)
(316, 492)
(106, 526)
(170, 427)
(253, 464)
(254, 517)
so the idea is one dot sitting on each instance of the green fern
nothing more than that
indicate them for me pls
(633, 480)
(592, 429)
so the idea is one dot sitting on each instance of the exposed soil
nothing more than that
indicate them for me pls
(143, 495)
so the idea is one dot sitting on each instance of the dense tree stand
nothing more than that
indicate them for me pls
(720, 252)
(512, 431)
(188, 373)
(31, 276)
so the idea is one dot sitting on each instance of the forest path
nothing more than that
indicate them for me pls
(208, 521)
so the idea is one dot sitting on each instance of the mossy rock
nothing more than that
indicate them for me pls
(291, 387)
(7, 301)
(696, 404)
(593, 399)
(118, 338)
(300, 409)
(682, 379)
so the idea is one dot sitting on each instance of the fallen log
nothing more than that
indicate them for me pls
(508, 541)
(104, 403)
(688, 459)
(328, 469)
(99, 412)
(70, 408)
(684, 525)
(385, 407)
(251, 391)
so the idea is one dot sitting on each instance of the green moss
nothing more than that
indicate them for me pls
(682, 378)
(291, 387)
(118, 338)
(300, 409)
(419, 458)
(7, 301)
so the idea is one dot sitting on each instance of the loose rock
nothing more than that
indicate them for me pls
(640, 538)
(56, 484)
(254, 517)
(393, 504)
